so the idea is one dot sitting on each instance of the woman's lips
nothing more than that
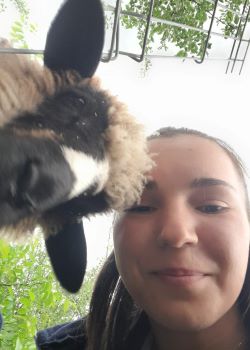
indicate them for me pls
(180, 276)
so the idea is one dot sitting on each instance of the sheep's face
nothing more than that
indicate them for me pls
(57, 150)
(68, 148)
(75, 116)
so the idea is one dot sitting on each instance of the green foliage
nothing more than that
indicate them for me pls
(20, 5)
(19, 31)
(30, 297)
(194, 13)
(22, 27)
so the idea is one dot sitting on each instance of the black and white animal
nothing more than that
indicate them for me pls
(68, 149)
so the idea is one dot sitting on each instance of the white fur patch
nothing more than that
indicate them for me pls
(87, 171)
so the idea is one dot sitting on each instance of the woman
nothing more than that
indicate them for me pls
(179, 275)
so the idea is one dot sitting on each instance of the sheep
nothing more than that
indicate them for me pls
(68, 148)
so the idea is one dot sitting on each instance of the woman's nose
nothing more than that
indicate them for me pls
(177, 227)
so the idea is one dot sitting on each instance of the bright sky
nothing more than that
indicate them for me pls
(172, 93)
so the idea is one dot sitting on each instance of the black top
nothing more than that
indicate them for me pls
(71, 336)
(67, 336)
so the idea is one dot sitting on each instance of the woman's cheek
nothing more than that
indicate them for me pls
(225, 240)
(130, 230)
(123, 241)
(132, 239)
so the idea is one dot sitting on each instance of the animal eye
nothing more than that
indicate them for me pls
(211, 209)
(141, 209)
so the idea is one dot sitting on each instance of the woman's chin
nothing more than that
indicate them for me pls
(184, 321)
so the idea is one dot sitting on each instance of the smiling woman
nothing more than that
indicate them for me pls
(179, 275)
(176, 278)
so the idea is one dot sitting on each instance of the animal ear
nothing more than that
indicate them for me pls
(67, 251)
(76, 37)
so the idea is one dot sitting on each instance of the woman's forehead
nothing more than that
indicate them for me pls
(197, 156)
(187, 144)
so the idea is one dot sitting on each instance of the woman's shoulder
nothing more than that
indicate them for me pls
(72, 336)
(67, 336)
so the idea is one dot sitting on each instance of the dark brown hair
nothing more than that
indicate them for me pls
(114, 321)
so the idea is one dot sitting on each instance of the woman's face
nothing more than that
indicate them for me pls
(182, 252)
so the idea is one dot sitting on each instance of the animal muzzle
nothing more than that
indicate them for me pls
(34, 176)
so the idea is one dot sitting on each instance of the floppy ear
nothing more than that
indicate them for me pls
(67, 248)
(67, 251)
(76, 36)
(74, 42)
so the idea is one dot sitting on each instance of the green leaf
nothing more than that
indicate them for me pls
(18, 345)
(4, 250)
(181, 53)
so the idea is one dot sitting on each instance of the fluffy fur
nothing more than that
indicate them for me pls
(68, 148)
(25, 85)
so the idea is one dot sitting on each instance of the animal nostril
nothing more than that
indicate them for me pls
(29, 174)
(17, 195)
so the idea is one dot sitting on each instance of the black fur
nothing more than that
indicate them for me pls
(75, 39)
(78, 116)
(35, 174)
(68, 251)
(37, 178)
(80, 206)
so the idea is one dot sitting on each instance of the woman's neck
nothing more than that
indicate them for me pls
(226, 334)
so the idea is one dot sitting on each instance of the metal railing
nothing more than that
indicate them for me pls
(114, 49)
(232, 58)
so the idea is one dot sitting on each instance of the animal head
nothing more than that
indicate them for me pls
(68, 148)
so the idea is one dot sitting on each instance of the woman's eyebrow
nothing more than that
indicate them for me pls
(207, 181)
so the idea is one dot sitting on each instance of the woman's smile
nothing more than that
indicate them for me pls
(180, 277)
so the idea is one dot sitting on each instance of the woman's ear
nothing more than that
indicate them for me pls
(76, 37)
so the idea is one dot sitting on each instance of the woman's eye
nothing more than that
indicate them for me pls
(140, 209)
(211, 209)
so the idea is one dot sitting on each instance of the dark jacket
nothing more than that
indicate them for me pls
(68, 336)
(71, 336)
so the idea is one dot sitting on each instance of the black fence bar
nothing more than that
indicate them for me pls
(177, 24)
(151, 7)
(208, 34)
(133, 55)
(114, 49)
(237, 33)
(114, 33)
(239, 43)
(20, 51)
(228, 9)
(244, 58)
